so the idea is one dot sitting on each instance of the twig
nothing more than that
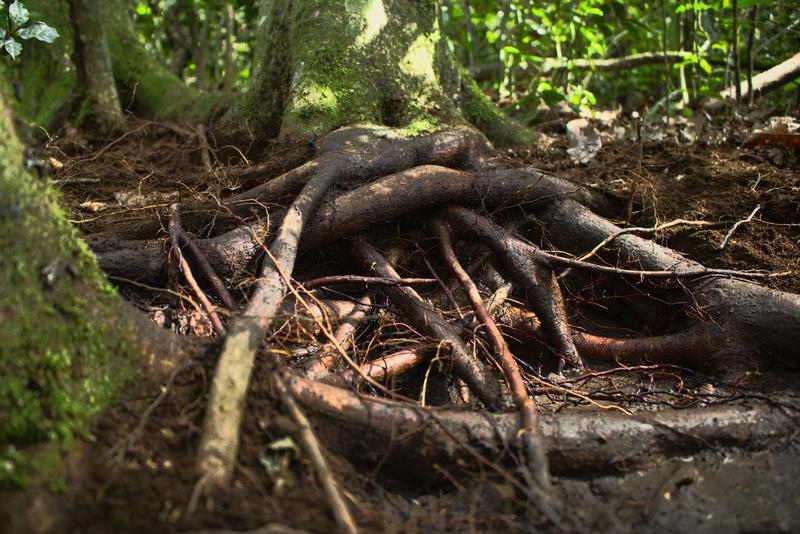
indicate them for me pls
(205, 265)
(312, 447)
(737, 225)
(639, 229)
(525, 404)
(174, 225)
(366, 280)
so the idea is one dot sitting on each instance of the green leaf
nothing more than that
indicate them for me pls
(2, 30)
(742, 4)
(12, 47)
(695, 6)
(511, 50)
(18, 13)
(40, 31)
(705, 66)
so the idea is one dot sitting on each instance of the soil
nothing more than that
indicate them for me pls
(137, 473)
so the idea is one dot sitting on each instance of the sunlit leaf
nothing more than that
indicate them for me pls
(12, 47)
(18, 13)
(40, 31)
(694, 6)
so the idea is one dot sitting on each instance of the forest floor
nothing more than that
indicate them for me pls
(137, 473)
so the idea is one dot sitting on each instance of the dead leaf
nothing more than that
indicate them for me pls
(584, 141)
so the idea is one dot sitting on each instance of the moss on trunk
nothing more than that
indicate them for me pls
(64, 348)
(324, 64)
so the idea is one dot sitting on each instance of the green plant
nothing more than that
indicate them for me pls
(14, 27)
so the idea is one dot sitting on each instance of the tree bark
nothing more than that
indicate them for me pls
(407, 78)
(94, 61)
(68, 342)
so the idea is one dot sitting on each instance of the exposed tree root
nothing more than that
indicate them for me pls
(174, 234)
(476, 375)
(364, 177)
(537, 460)
(379, 431)
(320, 365)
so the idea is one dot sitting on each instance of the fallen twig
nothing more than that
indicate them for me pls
(312, 447)
(174, 233)
(737, 225)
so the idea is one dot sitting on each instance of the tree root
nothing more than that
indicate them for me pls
(362, 177)
(376, 431)
(537, 460)
(476, 375)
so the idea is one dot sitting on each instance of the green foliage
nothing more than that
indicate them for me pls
(165, 26)
(12, 26)
(521, 40)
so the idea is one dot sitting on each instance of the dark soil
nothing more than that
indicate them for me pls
(138, 475)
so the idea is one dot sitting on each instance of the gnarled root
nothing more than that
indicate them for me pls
(400, 435)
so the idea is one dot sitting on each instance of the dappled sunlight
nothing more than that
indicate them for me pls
(374, 15)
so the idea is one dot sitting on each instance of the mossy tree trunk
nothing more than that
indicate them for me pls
(94, 61)
(67, 341)
(72, 77)
(324, 64)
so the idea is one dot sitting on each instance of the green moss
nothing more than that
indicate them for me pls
(64, 350)
(480, 111)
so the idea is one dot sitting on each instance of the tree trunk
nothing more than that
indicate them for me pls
(387, 65)
(68, 342)
(94, 61)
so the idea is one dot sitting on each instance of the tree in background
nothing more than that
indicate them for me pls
(319, 68)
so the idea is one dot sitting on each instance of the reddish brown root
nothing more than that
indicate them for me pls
(476, 375)
(539, 282)
(388, 367)
(377, 431)
(319, 366)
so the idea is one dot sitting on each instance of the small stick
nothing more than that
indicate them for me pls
(312, 447)
(366, 280)
(174, 225)
(205, 265)
(737, 225)
(204, 148)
